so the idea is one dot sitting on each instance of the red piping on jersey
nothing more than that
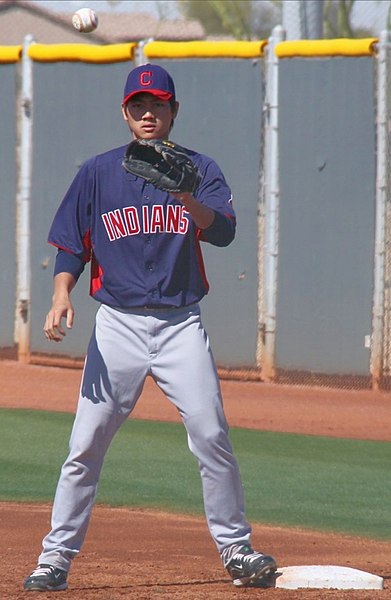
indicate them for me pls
(200, 259)
(96, 276)
(87, 245)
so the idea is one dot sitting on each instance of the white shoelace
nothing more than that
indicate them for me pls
(42, 570)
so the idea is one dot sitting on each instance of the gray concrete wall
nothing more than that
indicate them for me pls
(7, 203)
(327, 213)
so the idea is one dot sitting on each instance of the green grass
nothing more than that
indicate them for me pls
(305, 481)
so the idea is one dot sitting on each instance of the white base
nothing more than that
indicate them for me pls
(327, 577)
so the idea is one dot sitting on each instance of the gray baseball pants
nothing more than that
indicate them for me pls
(127, 346)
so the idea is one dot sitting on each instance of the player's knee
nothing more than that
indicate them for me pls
(209, 440)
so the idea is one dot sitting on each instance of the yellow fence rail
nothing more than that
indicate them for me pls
(113, 53)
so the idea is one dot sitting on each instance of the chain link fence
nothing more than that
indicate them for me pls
(310, 19)
(370, 17)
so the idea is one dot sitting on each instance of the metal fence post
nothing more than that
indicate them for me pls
(383, 150)
(139, 55)
(268, 218)
(23, 201)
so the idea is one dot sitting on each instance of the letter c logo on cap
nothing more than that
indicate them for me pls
(146, 78)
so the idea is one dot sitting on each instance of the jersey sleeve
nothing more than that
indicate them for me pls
(71, 226)
(215, 193)
(68, 263)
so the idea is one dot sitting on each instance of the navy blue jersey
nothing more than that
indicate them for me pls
(143, 245)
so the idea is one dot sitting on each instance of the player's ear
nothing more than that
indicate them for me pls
(124, 112)
(174, 112)
(175, 109)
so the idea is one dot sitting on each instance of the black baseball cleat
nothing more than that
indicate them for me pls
(250, 568)
(46, 578)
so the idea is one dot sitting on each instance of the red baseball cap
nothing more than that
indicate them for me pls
(151, 79)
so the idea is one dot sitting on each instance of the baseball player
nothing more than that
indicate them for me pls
(148, 275)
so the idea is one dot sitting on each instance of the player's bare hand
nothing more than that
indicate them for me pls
(61, 308)
(53, 328)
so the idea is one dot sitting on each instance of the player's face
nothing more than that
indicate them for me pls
(149, 117)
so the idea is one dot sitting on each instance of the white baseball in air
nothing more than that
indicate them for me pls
(85, 20)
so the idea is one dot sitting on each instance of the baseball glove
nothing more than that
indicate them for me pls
(162, 163)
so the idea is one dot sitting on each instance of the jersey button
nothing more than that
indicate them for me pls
(149, 266)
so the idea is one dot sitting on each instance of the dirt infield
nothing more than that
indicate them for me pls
(153, 555)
